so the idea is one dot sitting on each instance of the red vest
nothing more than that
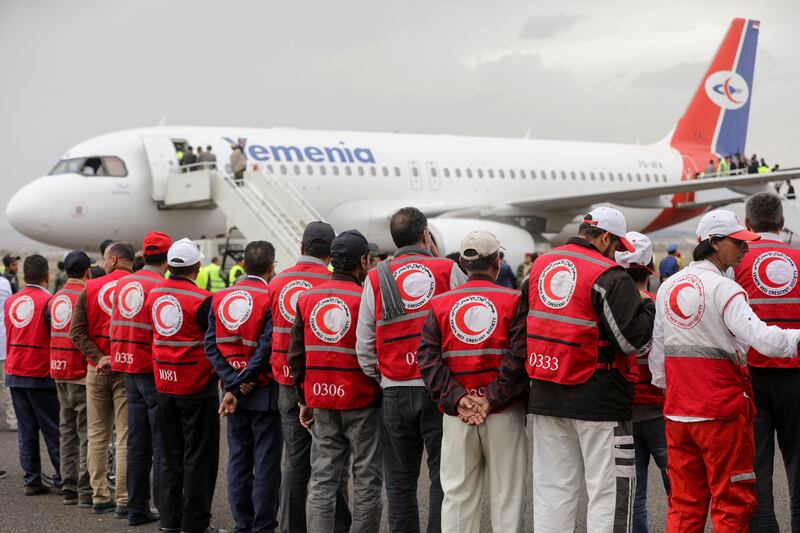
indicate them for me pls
(284, 289)
(180, 366)
(66, 360)
(563, 327)
(27, 334)
(239, 313)
(99, 305)
(131, 331)
(474, 321)
(644, 392)
(419, 278)
(333, 379)
(769, 275)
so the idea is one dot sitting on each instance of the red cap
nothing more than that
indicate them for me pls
(155, 243)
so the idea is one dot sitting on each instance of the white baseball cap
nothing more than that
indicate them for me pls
(642, 256)
(723, 223)
(611, 220)
(183, 253)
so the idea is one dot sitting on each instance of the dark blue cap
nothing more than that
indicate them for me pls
(349, 245)
(77, 261)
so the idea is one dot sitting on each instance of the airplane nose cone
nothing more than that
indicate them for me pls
(27, 211)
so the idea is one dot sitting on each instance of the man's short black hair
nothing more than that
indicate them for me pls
(104, 245)
(155, 259)
(122, 250)
(638, 274)
(184, 271)
(589, 231)
(320, 251)
(764, 212)
(407, 226)
(77, 273)
(479, 265)
(259, 256)
(208, 148)
(35, 269)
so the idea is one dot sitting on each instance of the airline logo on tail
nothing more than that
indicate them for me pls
(727, 89)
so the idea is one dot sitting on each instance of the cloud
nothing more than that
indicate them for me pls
(678, 76)
(544, 26)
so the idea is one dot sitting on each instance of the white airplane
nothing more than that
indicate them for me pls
(109, 186)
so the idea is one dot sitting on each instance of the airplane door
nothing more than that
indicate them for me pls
(434, 178)
(416, 176)
(162, 160)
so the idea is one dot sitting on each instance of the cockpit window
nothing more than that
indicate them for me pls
(92, 166)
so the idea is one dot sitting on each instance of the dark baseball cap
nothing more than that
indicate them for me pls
(77, 261)
(8, 259)
(155, 243)
(318, 233)
(349, 245)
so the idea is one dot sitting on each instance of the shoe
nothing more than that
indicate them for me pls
(121, 511)
(209, 529)
(85, 501)
(70, 497)
(147, 519)
(102, 508)
(53, 483)
(3, 474)
(35, 490)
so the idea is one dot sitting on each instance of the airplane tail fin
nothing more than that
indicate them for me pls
(716, 120)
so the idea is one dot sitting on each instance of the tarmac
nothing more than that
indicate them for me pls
(45, 513)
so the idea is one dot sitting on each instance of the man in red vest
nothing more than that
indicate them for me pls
(768, 273)
(463, 342)
(68, 369)
(704, 327)
(131, 348)
(28, 374)
(106, 407)
(310, 270)
(339, 402)
(187, 394)
(580, 323)
(238, 345)
(396, 301)
(649, 427)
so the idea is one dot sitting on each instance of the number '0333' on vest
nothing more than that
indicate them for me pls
(333, 378)
(284, 291)
(180, 366)
(239, 314)
(66, 360)
(28, 341)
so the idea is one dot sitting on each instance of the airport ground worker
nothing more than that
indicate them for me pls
(131, 348)
(106, 405)
(704, 326)
(33, 392)
(216, 282)
(187, 393)
(768, 273)
(68, 369)
(236, 272)
(580, 323)
(339, 402)
(395, 304)
(284, 289)
(649, 427)
(462, 345)
(238, 343)
(724, 166)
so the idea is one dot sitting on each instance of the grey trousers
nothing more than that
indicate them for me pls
(337, 435)
(73, 441)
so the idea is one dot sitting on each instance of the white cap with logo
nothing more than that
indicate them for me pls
(183, 253)
(478, 244)
(723, 223)
(611, 220)
(642, 256)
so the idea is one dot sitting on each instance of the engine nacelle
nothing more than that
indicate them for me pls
(448, 233)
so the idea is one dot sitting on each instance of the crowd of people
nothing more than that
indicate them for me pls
(350, 369)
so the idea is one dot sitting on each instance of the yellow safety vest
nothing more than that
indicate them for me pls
(202, 278)
(763, 169)
(723, 168)
(215, 279)
(236, 272)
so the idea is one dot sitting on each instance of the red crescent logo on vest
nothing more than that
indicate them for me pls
(167, 315)
(685, 302)
(131, 299)
(473, 319)
(416, 284)
(287, 299)
(557, 283)
(330, 319)
(106, 297)
(235, 309)
(21, 311)
(774, 273)
(60, 311)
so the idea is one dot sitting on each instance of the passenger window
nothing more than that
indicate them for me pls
(415, 172)
(647, 177)
(322, 170)
(583, 176)
(446, 172)
(591, 176)
(480, 173)
(348, 171)
(335, 170)
(310, 170)
(360, 171)
(458, 172)
(638, 177)
(373, 171)
(572, 175)
(602, 177)
(385, 172)
(469, 172)
(501, 174)
(297, 170)
(630, 177)
(511, 174)
(283, 169)
(433, 171)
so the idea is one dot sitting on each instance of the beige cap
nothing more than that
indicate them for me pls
(479, 243)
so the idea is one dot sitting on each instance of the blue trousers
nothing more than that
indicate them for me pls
(144, 444)
(255, 443)
(37, 411)
(649, 439)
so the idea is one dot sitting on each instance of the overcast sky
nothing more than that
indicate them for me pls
(604, 71)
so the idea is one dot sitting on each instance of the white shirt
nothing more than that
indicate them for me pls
(745, 328)
(5, 292)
